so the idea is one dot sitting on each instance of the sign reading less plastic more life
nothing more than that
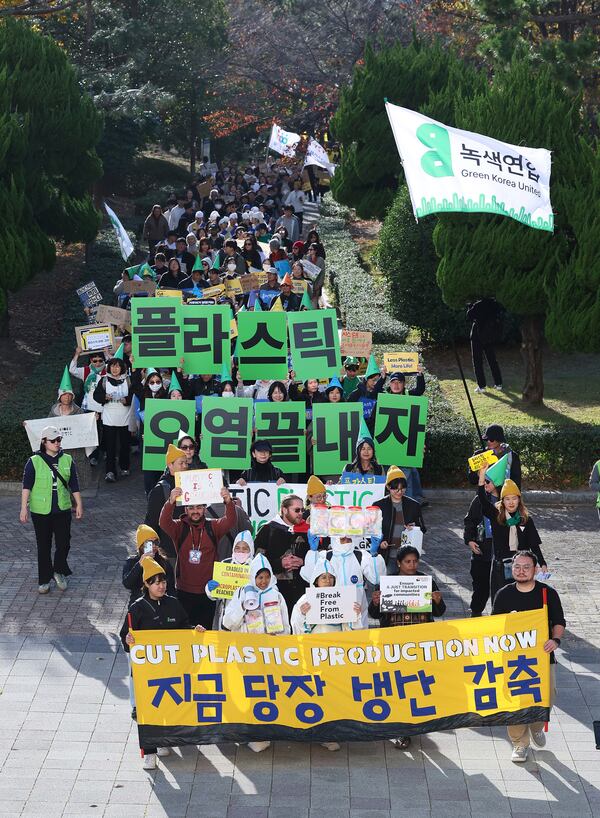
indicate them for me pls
(94, 336)
(230, 576)
(226, 432)
(405, 362)
(163, 420)
(406, 594)
(400, 425)
(379, 683)
(335, 432)
(331, 606)
(284, 425)
(262, 345)
(199, 486)
(314, 344)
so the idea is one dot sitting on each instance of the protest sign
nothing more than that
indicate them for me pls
(226, 432)
(283, 267)
(233, 329)
(406, 362)
(156, 332)
(163, 420)
(335, 432)
(299, 286)
(207, 302)
(356, 344)
(114, 316)
(311, 271)
(213, 292)
(205, 338)
(405, 594)
(199, 486)
(233, 288)
(89, 294)
(314, 343)
(283, 425)
(400, 425)
(249, 282)
(230, 576)
(146, 286)
(77, 431)
(354, 478)
(94, 336)
(262, 501)
(331, 606)
(284, 142)
(478, 461)
(413, 537)
(448, 169)
(262, 345)
(160, 293)
(211, 687)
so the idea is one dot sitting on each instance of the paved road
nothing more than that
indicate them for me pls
(67, 746)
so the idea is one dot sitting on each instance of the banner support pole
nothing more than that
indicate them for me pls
(462, 375)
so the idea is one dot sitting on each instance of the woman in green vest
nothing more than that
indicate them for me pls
(49, 482)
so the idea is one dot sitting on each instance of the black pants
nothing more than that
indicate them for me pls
(199, 608)
(300, 217)
(480, 574)
(497, 578)
(116, 436)
(47, 526)
(478, 350)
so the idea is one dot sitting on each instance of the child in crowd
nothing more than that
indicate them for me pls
(242, 554)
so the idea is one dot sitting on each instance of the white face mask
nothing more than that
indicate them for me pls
(228, 395)
(155, 387)
(231, 265)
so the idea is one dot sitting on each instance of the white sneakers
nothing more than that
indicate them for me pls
(61, 582)
(259, 746)
(480, 389)
(332, 746)
(539, 738)
(150, 761)
(44, 588)
(498, 386)
(110, 477)
(161, 752)
(519, 755)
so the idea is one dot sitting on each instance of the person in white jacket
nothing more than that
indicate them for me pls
(258, 608)
(351, 566)
(241, 554)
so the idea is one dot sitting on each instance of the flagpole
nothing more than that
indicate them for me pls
(462, 375)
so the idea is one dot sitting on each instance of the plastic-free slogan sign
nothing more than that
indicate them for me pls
(163, 420)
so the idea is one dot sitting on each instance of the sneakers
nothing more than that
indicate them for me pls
(259, 746)
(150, 761)
(110, 477)
(61, 582)
(161, 752)
(124, 472)
(498, 386)
(332, 746)
(480, 389)
(519, 755)
(44, 588)
(134, 714)
(538, 738)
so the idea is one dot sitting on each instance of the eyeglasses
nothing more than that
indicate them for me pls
(97, 360)
(187, 448)
(157, 581)
(54, 439)
(297, 510)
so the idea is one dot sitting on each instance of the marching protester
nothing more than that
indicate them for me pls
(262, 469)
(50, 487)
(477, 534)
(495, 441)
(148, 547)
(399, 514)
(114, 393)
(242, 553)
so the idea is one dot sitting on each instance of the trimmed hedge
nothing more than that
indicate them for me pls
(361, 304)
(33, 397)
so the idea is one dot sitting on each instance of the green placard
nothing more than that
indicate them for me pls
(205, 338)
(314, 343)
(283, 424)
(335, 432)
(156, 332)
(163, 420)
(226, 432)
(400, 425)
(262, 345)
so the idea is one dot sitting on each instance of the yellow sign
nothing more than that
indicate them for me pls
(407, 362)
(230, 576)
(169, 294)
(213, 292)
(484, 459)
(233, 330)
(366, 684)
(233, 287)
(299, 286)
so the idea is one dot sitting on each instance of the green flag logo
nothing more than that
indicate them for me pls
(436, 162)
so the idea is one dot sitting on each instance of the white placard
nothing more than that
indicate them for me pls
(77, 431)
(199, 486)
(331, 606)
(311, 271)
(405, 594)
(414, 537)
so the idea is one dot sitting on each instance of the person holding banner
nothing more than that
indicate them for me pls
(114, 393)
(176, 460)
(195, 539)
(50, 486)
(399, 513)
(262, 469)
(65, 405)
(90, 375)
(527, 594)
(154, 610)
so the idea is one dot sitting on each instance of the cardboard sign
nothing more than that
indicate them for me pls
(145, 286)
(331, 606)
(400, 425)
(478, 461)
(406, 362)
(89, 294)
(213, 292)
(114, 316)
(230, 576)
(94, 336)
(77, 431)
(199, 486)
(404, 594)
(163, 420)
(160, 293)
(356, 344)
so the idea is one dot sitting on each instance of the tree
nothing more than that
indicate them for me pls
(369, 171)
(496, 256)
(48, 161)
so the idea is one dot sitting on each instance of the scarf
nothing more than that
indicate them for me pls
(512, 523)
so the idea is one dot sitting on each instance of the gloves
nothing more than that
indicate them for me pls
(313, 540)
(212, 584)
(375, 543)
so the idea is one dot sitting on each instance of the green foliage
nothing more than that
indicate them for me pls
(406, 257)
(361, 305)
(48, 162)
(412, 76)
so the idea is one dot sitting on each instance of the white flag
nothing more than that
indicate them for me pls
(283, 142)
(451, 170)
(317, 155)
(122, 237)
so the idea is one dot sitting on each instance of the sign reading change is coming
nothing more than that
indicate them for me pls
(451, 170)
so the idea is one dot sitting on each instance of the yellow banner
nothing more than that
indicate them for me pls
(169, 294)
(202, 687)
